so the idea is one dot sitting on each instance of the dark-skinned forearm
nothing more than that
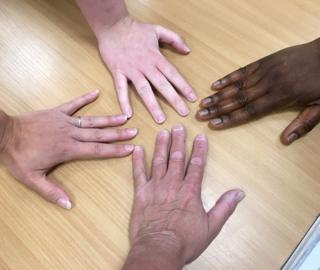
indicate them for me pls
(102, 14)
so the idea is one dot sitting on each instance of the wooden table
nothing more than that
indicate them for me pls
(48, 55)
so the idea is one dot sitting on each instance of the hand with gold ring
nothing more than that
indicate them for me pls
(36, 142)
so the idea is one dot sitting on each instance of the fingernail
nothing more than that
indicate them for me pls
(128, 114)
(160, 118)
(207, 101)
(178, 127)
(122, 117)
(292, 137)
(129, 148)
(133, 131)
(138, 148)
(216, 121)
(235, 196)
(217, 83)
(64, 203)
(203, 113)
(164, 133)
(96, 92)
(193, 97)
(184, 110)
(239, 196)
(201, 137)
(188, 50)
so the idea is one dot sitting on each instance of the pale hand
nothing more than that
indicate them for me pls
(39, 141)
(131, 51)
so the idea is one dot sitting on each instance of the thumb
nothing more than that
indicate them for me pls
(50, 191)
(171, 38)
(224, 208)
(303, 124)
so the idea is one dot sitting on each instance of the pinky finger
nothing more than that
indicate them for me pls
(302, 125)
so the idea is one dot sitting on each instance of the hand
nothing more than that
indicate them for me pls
(168, 217)
(37, 142)
(130, 49)
(285, 79)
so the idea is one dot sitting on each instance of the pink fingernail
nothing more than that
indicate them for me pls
(64, 203)
(129, 148)
(178, 127)
(193, 97)
(160, 118)
(240, 195)
(133, 131)
(201, 137)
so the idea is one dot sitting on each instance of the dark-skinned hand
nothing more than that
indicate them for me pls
(286, 79)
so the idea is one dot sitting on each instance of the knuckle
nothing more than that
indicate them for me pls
(307, 125)
(98, 135)
(90, 121)
(143, 90)
(240, 99)
(239, 85)
(243, 70)
(177, 156)
(50, 194)
(159, 160)
(250, 109)
(214, 110)
(98, 149)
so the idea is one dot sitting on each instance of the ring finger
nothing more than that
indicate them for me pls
(98, 121)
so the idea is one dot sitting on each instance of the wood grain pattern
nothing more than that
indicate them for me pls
(48, 55)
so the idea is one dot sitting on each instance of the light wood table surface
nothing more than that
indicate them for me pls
(48, 55)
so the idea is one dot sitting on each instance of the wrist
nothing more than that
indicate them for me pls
(103, 14)
(155, 252)
(6, 131)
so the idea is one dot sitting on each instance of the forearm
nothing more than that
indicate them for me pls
(102, 14)
(5, 122)
(153, 257)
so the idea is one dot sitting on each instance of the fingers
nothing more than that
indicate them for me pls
(139, 167)
(100, 121)
(249, 83)
(104, 135)
(228, 105)
(177, 152)
(91, 150)
(198, 160)
(161, 154)
(173, 39)
(121, 85)
(50, 191)
(169, 93)
(145, 92)
(237, 75)
(303, 124)
(223, 209)
(76, 104)
(172, 74)
(250, 111)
